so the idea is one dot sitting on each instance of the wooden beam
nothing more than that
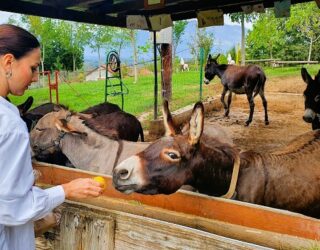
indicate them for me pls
(107, 7)
(64, 14)
(96, 10)
(257, 218)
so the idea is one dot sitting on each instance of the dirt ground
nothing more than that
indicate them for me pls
(285, 109)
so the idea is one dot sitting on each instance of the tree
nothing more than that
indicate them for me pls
(266, 36)
(74, 36)
(100, 37)
(59, 57)
(202, 39)
(305, 19)
(241, 17)
(123, 37)
(291, 38)
(178, 31)
(133, 39)
(43, 29)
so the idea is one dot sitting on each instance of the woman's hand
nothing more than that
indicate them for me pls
(82, 188)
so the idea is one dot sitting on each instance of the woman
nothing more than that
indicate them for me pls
(21, 203)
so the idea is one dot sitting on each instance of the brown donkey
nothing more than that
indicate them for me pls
(288, 178)
(249, 80)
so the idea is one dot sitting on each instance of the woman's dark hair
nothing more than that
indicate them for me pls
(17, 41)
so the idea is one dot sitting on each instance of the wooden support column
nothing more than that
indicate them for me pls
(166, 71)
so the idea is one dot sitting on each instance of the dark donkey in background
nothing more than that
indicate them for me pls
(249, 80)
(312, 99)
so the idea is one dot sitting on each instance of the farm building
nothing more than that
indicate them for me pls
(182, 220)
(98, 73)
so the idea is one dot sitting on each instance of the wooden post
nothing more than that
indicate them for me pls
(155, 106)
(166, 71)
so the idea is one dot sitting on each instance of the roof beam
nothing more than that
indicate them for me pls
(58, 13)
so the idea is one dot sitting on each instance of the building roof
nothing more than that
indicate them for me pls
(115, 12)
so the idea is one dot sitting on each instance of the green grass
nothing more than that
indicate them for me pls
(291, 71)
(78, 96)
(185, 91)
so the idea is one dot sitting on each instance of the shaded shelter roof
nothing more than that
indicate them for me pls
(115, 12)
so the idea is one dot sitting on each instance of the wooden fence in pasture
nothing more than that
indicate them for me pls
(278, 62)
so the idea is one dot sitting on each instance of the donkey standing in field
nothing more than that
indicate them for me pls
(312, 99)
(288, 178)
(249, 80)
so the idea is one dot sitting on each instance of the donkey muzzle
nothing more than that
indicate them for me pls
(309, 115)
(206, 81)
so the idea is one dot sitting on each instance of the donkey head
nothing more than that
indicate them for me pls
(167, 163)
(210, 69)
(50, 129)
(312, 96)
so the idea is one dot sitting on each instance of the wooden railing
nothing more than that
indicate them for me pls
(278, 62)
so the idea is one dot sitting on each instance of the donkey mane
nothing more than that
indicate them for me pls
(303, 144)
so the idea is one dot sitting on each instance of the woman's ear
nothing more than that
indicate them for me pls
(6, 61)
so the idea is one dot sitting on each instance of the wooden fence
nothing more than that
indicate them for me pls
(278, 62)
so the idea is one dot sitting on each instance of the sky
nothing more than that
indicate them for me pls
(4, 16)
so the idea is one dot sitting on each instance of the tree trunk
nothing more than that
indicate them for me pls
(166, 71)
(243, 52)
(74, 62)
(135, 60)
(310, 49)
(41, 80)
(99, 63)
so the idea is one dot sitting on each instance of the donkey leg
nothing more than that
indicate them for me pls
(229, 102)
(265, 105)
(251, 104)
(223, 102)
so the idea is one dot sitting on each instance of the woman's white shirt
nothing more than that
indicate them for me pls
(21, 203)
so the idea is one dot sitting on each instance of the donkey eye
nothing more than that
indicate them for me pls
(173, 156)
(40, 129)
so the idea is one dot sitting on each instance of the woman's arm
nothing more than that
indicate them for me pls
(20, 201)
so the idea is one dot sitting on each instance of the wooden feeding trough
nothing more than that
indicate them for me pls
(183, 220)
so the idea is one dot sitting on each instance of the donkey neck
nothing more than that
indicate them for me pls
(95, 152)
(220, 69)
(213, 166)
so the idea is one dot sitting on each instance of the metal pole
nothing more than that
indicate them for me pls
(155, 112)
(201, 70)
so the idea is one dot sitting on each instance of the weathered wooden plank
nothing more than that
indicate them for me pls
(155, 234)
(135, 232)
(81, 229)
(233, 219)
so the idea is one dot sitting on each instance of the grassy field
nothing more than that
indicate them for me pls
(185, 90)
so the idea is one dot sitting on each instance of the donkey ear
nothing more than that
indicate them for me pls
(196, 123)
(209, 57)
(85, 117)
(305, 76)
(217, 57)
(62, 125)
(317, 77)
(24, 107)
(167, 120)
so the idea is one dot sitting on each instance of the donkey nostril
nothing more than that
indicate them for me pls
(123, 174)
(307, 119)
